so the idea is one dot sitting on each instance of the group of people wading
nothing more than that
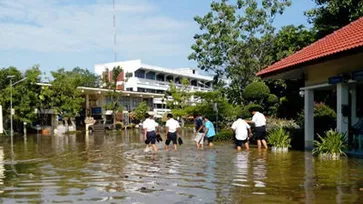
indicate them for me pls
(204, 130)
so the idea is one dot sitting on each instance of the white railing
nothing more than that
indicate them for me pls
(163, 84)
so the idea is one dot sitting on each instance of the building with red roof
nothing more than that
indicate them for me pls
(334, 62)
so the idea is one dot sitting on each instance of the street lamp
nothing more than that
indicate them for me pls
(11, 104)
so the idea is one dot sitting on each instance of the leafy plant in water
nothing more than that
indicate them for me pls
(224, 135)
(332, 145)
(279, 138)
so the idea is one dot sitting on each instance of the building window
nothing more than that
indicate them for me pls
(150, 75)
(140, 74)
(140, 90)
(160, 77)
(169, 78)
(158, 106)
(193, 82)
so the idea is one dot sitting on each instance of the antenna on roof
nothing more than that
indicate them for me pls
(114, 30)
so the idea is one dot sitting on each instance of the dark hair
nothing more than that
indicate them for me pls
(147, 115)
(169, 115)
(205, 117)
(195, 115)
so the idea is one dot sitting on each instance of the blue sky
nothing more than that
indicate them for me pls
(70, 33)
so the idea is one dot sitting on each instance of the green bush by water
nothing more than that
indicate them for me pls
(279, 138)
(246, 110)
(277, 123)
(332, 145)
(256, 91)
(224, 135)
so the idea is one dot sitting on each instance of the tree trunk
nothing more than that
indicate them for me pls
(114, 117)
(182, 122)
(66, 124)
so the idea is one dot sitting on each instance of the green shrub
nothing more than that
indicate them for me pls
(273, 124)
(224, 135)
(332, 145)
(256, 91)
(119, 126)
(246, 110)
(324, 117)
(272, 99)
(279, 138)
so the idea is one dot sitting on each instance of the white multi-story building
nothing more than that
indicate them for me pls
(144, 78)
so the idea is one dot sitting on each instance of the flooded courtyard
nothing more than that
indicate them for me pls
(113, 168)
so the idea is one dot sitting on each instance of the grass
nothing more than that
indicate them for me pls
(332, 145)
(279, 138)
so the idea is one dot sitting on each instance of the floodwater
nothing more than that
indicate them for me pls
(114, 169)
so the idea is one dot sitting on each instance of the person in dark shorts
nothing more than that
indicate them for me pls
(209, 131)
(172, 131)
(199, 131)
(260, 128)
(240, 128)
(149, 126)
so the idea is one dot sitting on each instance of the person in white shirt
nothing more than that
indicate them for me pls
(242, 132)
(172, 131)
(150, 127)
(260, 128)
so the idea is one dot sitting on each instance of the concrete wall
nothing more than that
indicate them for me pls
(319, 73)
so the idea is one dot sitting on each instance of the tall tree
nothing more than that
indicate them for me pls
(114, 96)
(66, 98)
(234, 39)
(141, 110)
(87, 78)
(290, 39)
(330, 15)
(25, 94)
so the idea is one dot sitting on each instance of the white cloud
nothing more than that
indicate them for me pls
(54, 26)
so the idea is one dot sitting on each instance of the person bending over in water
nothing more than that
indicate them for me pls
(199, 131)
(172, 131)
(209, 131)
(242, 132)
(150, 127)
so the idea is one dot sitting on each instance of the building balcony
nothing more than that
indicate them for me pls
(162, 85)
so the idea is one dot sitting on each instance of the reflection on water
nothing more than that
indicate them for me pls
(114, 168)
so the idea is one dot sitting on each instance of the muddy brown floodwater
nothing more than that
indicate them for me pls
(114, 169)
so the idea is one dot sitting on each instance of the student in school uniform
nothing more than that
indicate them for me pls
(172, 131)
(150, 127)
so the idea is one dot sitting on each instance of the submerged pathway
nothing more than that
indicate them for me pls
(115, 169)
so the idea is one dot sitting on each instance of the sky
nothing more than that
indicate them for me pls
(69, 33)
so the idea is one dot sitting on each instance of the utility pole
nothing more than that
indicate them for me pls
(114, 31)
(11, 106)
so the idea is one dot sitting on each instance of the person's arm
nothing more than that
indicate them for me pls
(249, 130)
(145, 132)
(233, 127)
(200, 128)
(206, 128)
(166, 132)
(157, 127)
(178, 130)
(166, 129)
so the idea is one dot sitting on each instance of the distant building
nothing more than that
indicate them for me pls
(144, 78)
(138, 83)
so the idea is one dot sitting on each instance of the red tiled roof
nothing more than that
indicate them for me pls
(346, 38)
